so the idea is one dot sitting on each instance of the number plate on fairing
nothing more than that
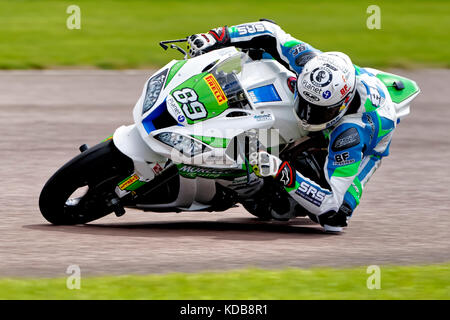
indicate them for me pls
(200, 98)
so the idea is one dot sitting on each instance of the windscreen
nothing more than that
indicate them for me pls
(226, 73)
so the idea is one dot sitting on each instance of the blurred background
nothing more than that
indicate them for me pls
(125, 34)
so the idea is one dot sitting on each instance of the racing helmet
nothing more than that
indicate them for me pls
(325, 88)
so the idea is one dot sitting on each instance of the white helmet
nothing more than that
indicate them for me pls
(325, 88)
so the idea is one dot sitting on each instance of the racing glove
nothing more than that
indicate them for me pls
(204, 42)
(264, 164)
(267, 165)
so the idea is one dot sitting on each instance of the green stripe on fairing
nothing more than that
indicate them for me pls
(213, 141)
(398, 96)
(173, 71)
(346, 171)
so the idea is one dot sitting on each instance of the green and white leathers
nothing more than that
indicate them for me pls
(357, 142)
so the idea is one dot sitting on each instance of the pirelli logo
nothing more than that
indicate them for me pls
(216, 89)
(128, 182)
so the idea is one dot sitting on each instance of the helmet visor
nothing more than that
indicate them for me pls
(315, 114)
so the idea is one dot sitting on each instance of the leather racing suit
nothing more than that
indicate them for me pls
(353, 147)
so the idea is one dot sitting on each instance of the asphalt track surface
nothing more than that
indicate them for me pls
(45, 115)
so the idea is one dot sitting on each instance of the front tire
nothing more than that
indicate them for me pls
(99, 169)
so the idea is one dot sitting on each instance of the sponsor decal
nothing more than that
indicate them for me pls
(310, 87)
(330, 61)
(311, 96)
(219, 33)
(157, 168)
(193, 172)
(216, 89)
(342, 159)
(250, 28)
(128, 182)
(263, 117)
(330, 66)
(344, 90)
(181, 118)
(297, 49)
(302, 59)
(173, 107)
(326, 94)
(346, 139)
(285, 175)
(321, 77)
(310, 193)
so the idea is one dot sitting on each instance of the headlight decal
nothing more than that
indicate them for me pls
(154, 87)
(186, 145)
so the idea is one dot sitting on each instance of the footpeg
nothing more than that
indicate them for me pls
(117, 207)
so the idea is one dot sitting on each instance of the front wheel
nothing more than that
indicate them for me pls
(95, 171)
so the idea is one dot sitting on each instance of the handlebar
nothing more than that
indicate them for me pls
(174, 46)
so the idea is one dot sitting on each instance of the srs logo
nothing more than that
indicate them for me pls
(310, 193)
(250, 28)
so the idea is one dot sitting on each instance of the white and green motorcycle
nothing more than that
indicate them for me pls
(195, 124)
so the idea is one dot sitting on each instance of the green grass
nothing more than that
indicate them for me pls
(406, 282)
(124, 34)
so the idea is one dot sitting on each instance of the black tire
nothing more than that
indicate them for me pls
(258, 209)
(100, 168)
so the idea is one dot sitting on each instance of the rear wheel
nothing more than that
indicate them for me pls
(260, 209)
(83, 189)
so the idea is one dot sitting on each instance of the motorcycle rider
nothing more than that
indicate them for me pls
(346, 110)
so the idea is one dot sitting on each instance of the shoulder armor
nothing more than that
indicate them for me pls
(347, 139)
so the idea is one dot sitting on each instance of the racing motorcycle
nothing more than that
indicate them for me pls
(195, 124)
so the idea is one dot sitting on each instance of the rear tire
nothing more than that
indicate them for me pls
(260, 210)
(100, 168)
